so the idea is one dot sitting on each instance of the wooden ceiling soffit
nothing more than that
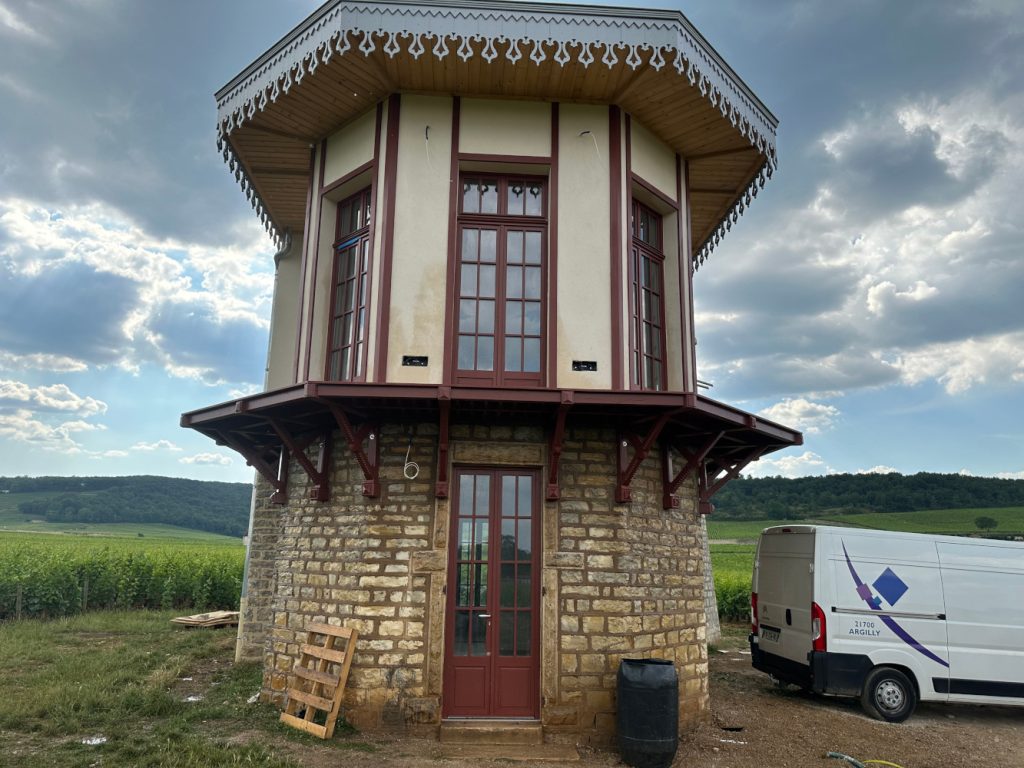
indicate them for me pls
(471, 35)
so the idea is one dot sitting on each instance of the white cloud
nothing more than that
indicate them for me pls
(40, 362)
(880, 469)
(807, 463)
(15, 23)
(1011, 475)
(961, 365)
(218, 459)
(86, 287)
(166, 445)
(802, 414)
(54, 397)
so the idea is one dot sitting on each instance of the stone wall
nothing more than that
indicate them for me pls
(714, 633)
(630, 583)
(619, 580)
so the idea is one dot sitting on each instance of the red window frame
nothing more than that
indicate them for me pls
(350, 290)
(647, 300)
(508, 317)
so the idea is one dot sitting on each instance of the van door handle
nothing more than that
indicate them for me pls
(789, 617)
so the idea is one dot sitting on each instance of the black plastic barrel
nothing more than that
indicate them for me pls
(648, 712)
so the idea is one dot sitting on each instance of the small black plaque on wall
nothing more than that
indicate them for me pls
(416, 361)
(584, 365)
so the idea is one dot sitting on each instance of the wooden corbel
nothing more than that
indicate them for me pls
(278, 478)
(555, 445)
(626, 467)
(318, 473)
(444, 406)
(369, 459)
(709, 485)
(670, 482)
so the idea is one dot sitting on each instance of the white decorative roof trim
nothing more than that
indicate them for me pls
(588, 34)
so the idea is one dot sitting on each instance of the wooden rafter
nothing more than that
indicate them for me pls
(320, 491)
(641, 447)
(710, 483)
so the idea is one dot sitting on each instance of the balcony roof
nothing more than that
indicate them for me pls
(347, 56)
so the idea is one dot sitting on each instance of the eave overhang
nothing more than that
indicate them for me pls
(347, 56)
(716, 437)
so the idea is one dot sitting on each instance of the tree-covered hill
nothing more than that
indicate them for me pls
(202, 505)
(779, 498)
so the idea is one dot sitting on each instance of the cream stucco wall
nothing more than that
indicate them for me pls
(350, 147)
(652, 160)
(584, 278)
(673, 331)
(494, 127)
(420, 255)
(283, 319)
(324, 264)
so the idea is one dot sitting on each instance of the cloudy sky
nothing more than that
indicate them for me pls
(872, 296)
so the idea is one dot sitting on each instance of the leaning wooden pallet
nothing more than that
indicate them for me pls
(319, 677)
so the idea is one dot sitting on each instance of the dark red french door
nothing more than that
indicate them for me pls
(492, 637)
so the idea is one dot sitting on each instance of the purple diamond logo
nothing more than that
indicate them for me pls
(890, 586)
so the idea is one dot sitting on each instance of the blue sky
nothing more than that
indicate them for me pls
(871, 296)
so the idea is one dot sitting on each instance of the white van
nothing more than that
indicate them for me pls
(892, 618)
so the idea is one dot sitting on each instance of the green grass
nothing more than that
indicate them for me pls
(11, 520)
(740, 530)
(118, 675)
(947, 521)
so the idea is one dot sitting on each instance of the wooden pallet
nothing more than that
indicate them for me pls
(319, 679)
(213, 619)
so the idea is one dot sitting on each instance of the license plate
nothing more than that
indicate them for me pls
(770, 634)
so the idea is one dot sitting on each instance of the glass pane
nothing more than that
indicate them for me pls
(485, 353)
(346, 330)
(343, 217)
(525, 496)
(487, 281)
(513, 318)
(649, 379)
(462, 585)
(466, 495)
(479, 641)
(470, 239)
(508, 496)
(506, 646)
(359, 359)
(361, 329)
(488, 245)
(523, 583)
(486, 317)
(533, 247)
(508, 539)
(532, 283)
(362, 290)
(514, 282)
(656, 277)
(465, 538)
(343, 364)
(467, 316)
(524, 640)
(488, 197)
(515, 198)
(524, 545)
(479, 584)
(656, 308)
(483, 496)
(346, 297)
(656, 342)
(461, 644)
(366, 254)
(467, 345)
(470, 197)
(508, 586)
(513, 354)
(480, 542)
(534, 197)
(467, 286)
(532, 326)
(514, 254)
(334, 374)
(656, 373)
(531, 355)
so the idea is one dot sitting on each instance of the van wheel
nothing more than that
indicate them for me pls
(888, 695)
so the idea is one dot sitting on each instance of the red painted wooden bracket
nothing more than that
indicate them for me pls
(670, 482)
(557, 442)
(444, 405)
(708, 486)
(369, 459)
(278, 478)
(641, 447)
(318, 474)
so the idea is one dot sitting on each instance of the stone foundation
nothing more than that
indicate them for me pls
(618, 580)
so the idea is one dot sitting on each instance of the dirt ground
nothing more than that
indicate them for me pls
(754, 724)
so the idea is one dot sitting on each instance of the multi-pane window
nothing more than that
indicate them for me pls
(501, 280)
(646, 300)
(347, 345)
